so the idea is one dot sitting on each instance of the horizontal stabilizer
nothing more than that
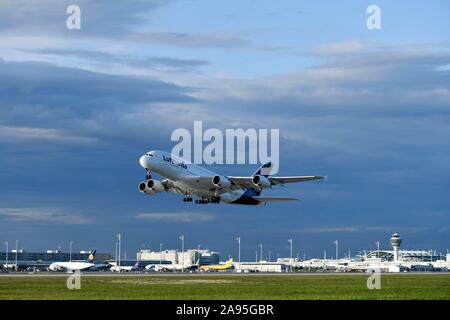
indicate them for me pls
(283, 180)
(274, 199)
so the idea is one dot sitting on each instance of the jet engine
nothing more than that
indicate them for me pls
(155, 185)
(221, 182)
(151, 187)
(261, 182)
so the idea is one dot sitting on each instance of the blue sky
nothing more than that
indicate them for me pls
(369, 109)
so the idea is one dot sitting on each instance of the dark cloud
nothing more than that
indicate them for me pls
(37, 82)
(105, 19)
(141, 62)
(99, 17)
(50, 95)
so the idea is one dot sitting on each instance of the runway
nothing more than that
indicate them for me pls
(216, 274)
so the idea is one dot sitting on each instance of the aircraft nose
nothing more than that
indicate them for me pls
(143, 161)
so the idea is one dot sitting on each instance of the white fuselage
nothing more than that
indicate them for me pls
(166, 267)
(183, 173)
(123, 268)
(70, 266)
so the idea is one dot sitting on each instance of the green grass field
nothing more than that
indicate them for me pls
(410, 286)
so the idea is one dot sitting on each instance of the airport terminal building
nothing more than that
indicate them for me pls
(44, 259)
(189, 257)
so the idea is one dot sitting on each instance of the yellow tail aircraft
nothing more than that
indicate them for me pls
(219, 267)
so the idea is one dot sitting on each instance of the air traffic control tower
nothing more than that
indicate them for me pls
(396, 241)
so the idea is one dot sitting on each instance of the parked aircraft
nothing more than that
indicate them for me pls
(72, 266)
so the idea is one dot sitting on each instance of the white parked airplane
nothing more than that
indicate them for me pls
(72, 266)
(170, 267)
(125, 268)
(188, 179)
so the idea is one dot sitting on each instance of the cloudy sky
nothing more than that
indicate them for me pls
(370, 109)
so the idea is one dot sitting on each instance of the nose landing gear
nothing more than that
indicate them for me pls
(149, 175)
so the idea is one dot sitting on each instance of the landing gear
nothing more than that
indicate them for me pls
(149, 175)
(188, 197)
(202, 201)
(215, 200)
(206, 201)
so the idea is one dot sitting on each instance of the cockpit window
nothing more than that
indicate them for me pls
(149, 154)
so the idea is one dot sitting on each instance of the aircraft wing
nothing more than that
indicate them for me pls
(247, 181)
(206, 183)
(283, 180)
(202, 180)
(242, 181)
(274, 199)
(172, 187)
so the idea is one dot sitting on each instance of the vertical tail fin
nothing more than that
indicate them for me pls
(264, 170)
(91, 256)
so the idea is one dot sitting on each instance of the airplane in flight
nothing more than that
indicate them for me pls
(72, 266)
(185, 178)
(228, 265)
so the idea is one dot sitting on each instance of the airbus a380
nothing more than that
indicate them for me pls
(185, 178)
(71, 266)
